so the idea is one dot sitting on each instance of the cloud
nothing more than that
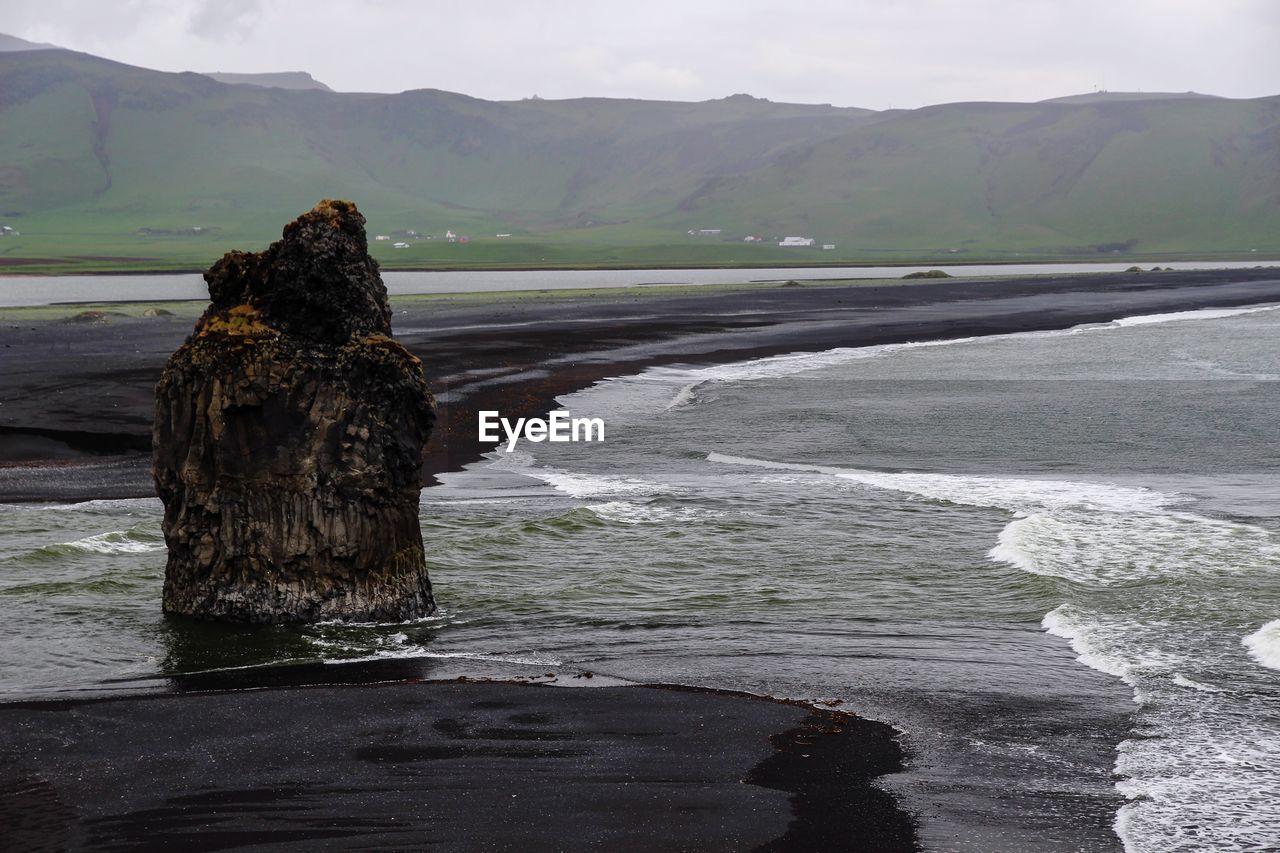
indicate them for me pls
(873, 53)
(219, 20)
(653, 77)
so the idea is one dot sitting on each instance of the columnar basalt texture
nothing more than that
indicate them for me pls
(288, 439)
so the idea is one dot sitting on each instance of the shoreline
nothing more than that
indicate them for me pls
(516, 353)
(17, 267)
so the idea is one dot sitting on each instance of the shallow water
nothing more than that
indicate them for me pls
(984, 542)
(19, 290)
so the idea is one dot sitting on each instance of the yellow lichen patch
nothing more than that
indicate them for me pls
(336, 205)
(391, 344)
(334, 208)
(242, 321)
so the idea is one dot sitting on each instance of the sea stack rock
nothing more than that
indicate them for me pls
(288, 437)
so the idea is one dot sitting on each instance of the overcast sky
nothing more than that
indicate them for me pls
(869, 53)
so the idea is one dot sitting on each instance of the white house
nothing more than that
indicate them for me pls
(6, 231)
(400, 245)
(796, 241)
(381, 237)
(827, 247)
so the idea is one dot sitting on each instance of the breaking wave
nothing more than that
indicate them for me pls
(1264, 645)
(1209, 754)
(773, 367)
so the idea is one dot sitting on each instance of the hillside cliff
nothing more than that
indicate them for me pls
(92, 147)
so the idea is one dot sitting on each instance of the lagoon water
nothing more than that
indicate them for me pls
(1022, 550)
(18, 290)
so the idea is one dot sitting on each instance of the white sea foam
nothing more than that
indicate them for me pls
(1264, 645)
(414, 652)
(1118, 548)
(1208, 768)
(1085, 532)
(1211, 761)
(684, 396)
(1182, 681)
(428, 500)
(626, 500)
(116, 542)
(1182, 316)
(440, 615)
(789, 364)
(144, 506)
(1207, 783)
(1011, 548)
(1078, 629)
(636, 512)
(580, 485)
(523, 658)
(1010, 493)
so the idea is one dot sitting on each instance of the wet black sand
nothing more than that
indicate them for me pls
(80, 395)
(445, 766)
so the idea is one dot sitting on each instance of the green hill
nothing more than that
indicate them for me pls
(1159, 176)
(104, 164)
(277, 80)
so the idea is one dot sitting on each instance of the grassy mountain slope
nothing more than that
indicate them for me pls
(277, 80)
(1148, 176)
(100, 160)
(1115, 97)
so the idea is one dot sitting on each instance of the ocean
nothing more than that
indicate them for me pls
(1049, 559)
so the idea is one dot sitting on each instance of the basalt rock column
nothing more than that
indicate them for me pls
(288, 436)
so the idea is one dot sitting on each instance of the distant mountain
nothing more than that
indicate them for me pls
(1116, 97)
(8, 43)
(93, 151)
(277, 80)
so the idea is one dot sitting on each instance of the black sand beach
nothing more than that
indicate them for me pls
(444, 766)
(81, 393)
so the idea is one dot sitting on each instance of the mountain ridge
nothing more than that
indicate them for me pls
(13, 43)
(298, 80)
(102, 158)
